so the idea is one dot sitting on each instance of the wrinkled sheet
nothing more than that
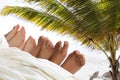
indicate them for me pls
(20, 65)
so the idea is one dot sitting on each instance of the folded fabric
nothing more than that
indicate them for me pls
(20, 65)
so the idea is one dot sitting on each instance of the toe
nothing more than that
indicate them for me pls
(29, 45)
(12, 33)
(18, 39)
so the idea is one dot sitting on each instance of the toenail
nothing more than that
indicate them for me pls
(65, 42)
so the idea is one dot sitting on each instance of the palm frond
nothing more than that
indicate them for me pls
(42, 19)
(84, 20)
(53, 7)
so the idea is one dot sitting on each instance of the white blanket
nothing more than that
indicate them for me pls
(19, 65)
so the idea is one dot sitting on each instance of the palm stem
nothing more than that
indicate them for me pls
(100, 48)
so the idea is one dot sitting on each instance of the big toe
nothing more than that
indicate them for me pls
(12, 33)
(29, 45)
(18, 39)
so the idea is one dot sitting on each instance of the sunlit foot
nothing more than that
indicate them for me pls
(29, 44)
(12, 33)
(18, 39)
(46, 48)
(60, 52)
(35, 51)
(74, 62)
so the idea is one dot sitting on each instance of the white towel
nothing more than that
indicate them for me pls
(19, 65)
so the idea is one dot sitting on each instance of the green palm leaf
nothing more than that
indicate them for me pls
(85, 20)
(93, 22)
(39, 18)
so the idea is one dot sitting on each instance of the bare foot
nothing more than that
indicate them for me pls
(12, 33)
(46, 48)
(18, 39)
(35, 51)
(29, 44)
(74, 62)
(60, 52)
